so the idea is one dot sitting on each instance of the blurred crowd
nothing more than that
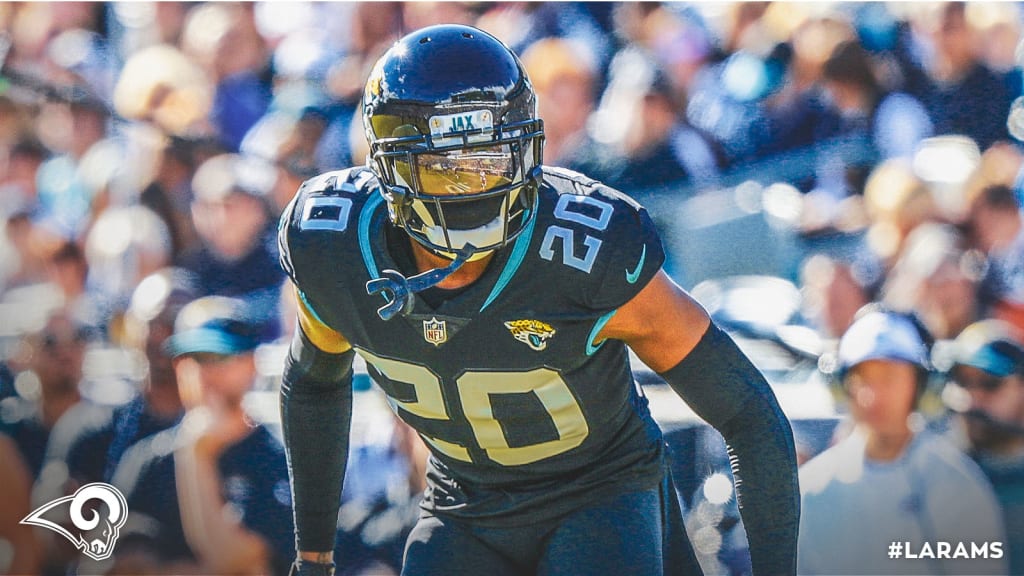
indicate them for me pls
(147, 150)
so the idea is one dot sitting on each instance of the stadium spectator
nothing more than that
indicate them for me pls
(1001, 165)
(18, 191)
(50, 358)
(996, 225)
(88, 448)
(834, 288)
(895, 122)
(237, 254)
(66, 199)
(997, 32)
(370, 28)
(563, 76)
(216, 484)
(68, 270)
(937, 276)
(290, 144)
(24, 249)
(797, 111)
(20, 556)
(159, 84)
(962, 95)
(896, 201)
(223, 39)
(886, 464)
(641, 141)
(126, 244)
(169, 192)
(379, 510)
(988, 373)
(53, 352)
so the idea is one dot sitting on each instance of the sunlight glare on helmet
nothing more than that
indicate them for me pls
(462, 172)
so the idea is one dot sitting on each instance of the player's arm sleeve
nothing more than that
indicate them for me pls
(316, 411)
(725, 389)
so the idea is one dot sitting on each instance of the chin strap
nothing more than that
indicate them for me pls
(400, 292)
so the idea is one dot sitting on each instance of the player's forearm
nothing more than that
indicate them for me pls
(14, 505)
(222, 543)
(763, 460)
(727, 391)
(316, 411)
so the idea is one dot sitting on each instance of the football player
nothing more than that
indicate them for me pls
(493, 299)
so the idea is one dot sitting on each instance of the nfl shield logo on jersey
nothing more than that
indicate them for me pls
(435, 331)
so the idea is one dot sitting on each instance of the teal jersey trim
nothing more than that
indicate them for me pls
(365, 216)
(596, 330)
(633, 276)
(514, 261)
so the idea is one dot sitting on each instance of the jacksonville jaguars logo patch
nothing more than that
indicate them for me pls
(533, 333)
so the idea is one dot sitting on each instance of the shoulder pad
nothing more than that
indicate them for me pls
(606, 240)
(356, 181)
(581, 182)
(327, 203)
(566, 181)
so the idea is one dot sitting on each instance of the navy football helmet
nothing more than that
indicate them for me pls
(451, 120)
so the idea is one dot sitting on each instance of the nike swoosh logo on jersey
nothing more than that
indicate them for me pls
(598, 326)
(633, 276)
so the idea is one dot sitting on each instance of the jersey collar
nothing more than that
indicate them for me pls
(465, 305)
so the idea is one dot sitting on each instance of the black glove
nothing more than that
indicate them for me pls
(307, 568)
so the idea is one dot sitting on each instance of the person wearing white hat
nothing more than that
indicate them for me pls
(888, 481)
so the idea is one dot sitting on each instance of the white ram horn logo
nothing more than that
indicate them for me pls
(96, 535)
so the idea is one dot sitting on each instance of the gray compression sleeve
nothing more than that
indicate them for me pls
(316, 411)
(724, 388)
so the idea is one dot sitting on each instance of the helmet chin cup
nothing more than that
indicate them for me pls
(395, 289)
(400, 292)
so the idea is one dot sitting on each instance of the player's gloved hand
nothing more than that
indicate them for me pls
(306, 568)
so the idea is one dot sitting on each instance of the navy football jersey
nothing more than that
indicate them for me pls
(526, 416)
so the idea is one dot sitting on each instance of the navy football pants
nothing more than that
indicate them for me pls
(638, 533)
